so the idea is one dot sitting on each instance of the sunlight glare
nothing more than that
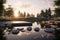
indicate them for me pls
(16, 15)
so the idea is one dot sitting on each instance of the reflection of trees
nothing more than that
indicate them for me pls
(57, 34)
(1, 35)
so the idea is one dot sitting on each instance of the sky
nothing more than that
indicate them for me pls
(30, 6)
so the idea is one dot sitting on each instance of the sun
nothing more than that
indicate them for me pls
(16, 15)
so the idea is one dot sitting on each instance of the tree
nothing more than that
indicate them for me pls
(57, 14)
(9, 11)
(48, 13)
(57, 2)
(57, 9)
(20, 14)
(28, 15)
(42, 14)
(2, 6)
(24, 14)
(1, 13)
(32, 15)
(38, 15)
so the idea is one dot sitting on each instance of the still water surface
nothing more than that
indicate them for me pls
(30, 35)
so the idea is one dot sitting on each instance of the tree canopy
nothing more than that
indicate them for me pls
(2, 6)
(57, 10)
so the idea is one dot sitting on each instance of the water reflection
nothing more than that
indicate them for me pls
(35, 24)
(30, 35)
(18, 21)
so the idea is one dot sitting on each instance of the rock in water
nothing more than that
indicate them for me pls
(36, 29)
(29, 28)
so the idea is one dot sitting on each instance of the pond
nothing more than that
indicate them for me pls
(29, 35)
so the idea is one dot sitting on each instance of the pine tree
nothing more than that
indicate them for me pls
(57, 9)
(48, 13)
(2, 6)
(24, 14)
(42, 14)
